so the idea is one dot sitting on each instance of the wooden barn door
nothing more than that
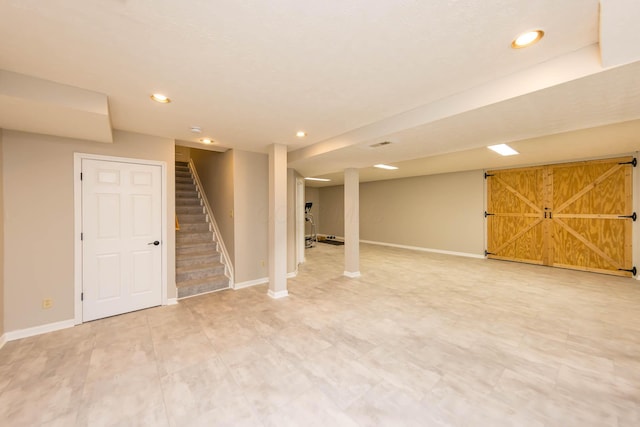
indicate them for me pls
(592, 202)
(575, 215)
(515, 217)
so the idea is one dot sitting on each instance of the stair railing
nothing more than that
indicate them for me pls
(226, 260)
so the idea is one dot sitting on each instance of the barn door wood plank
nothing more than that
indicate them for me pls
(518, 194)
(588, 188)
(518, 235)
(587, 243)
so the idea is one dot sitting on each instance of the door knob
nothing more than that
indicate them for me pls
(155, 243)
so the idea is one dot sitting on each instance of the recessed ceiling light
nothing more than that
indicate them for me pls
(206, 141)
(503, 149)
(158, 97)
(381, 166)
(317, 179)
(527, 39)
(301, 134)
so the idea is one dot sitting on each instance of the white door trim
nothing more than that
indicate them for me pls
(299, 203)
(77, 223)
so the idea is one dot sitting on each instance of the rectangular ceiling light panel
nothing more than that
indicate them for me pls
(503, 150)
(381, 166)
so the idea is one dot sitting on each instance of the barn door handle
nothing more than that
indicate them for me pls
(154, 243)
(633, 216)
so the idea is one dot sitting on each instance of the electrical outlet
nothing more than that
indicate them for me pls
(47, 303)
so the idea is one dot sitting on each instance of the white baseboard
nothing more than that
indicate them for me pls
(418, 248)
(279, 294)
(352, 274)
(172, 301)
(292, 274)
(200, 294)
(37, 330)
(249, 283)
(3, 340)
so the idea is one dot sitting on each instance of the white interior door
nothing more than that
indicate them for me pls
(122, 229)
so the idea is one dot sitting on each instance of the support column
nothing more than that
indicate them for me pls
(278, 221)
(351, 223)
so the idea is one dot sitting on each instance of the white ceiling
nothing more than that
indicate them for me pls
(433, 77)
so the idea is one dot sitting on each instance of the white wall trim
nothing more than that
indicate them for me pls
(249, 283)
(77, 228)
(3, 341)
(279, 294)
(292, 274)
(200, 294)
(352, 274)
(300, 220)
(38, 330)
(172, 301)
(417, 248)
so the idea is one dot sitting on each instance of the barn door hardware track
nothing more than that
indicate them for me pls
(633, 162)
(632, 271)
(633, 216)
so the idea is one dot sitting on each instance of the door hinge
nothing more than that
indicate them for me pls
(81, 236)
(633, 270)
(486, 252)
(633, 216)
(633, 162)
(80, 176)
(487, 175)
(486, 214)
(82, 296)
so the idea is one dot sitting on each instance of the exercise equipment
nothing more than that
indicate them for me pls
(310, 240)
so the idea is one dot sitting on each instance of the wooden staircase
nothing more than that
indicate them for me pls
(199, 268)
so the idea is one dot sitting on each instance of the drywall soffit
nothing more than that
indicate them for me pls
(40, 106)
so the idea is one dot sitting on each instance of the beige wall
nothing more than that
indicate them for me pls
(216, 174)
(236, 184)
(442, 212)
(251, 201)
(331, 212)
(183, 154)
(1, 241)
(312, 194)
(39, 219)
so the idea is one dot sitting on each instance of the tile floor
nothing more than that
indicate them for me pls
(419, 340)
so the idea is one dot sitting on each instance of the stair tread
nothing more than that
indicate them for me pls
(218, 278)
(197, 267)
(187, 234)
(191, 244)
(194, 255)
